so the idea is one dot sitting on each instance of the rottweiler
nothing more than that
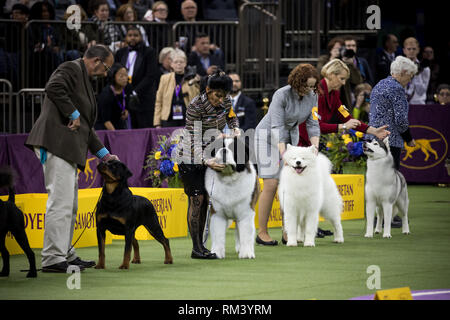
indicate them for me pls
(121, 212)
(12, 220)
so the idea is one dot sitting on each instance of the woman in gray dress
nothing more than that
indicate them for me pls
(291, 105)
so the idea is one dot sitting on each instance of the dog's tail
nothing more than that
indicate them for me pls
(7, 180)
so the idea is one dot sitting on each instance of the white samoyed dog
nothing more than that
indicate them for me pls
(306, 189)
(386, 189)
(233, 193)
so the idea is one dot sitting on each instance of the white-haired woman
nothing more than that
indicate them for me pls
(174, 94)
(389, 105)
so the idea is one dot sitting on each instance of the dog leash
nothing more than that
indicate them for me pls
(87, 223)
(208, 216)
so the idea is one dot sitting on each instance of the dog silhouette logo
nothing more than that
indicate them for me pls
(87, 177)
(423, 145)
(430, 149)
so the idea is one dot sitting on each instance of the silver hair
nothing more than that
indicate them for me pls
(403, 64)
(177, 53)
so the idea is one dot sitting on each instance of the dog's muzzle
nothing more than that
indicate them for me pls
(299, 169)
(366, 148)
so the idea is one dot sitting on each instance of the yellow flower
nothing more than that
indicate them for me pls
(348, 140)
(329, 144)
(156, 173)
(359, 134)
(158, 155)
(175, 167)
(345, 136)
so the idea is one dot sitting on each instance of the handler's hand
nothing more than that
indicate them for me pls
(74, 124)
(381, 132)
(214, 165)
(412, 143)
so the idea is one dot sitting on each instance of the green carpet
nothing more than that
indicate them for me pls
(420, 260)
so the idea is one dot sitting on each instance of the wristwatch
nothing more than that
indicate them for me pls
(344, 126)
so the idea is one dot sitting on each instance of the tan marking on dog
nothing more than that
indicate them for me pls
(111, 186)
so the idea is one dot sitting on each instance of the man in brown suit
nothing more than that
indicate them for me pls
(61, 138)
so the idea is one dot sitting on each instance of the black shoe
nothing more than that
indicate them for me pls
(202, 255)
(396, 222)
(266, 243)
(325, 232)
(59, 267)
(283, 241)
(82, 263)
(320, 233)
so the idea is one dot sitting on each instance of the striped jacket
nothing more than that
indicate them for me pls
(201, 118)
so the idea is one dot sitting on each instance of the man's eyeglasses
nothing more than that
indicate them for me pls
(106, 67)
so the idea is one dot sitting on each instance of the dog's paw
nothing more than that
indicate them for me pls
(309, 244)
(168, 261)
(368, 235)
(387, 235)
(246, 255)
(292, 243)
(100, 266)
(339, 240)
(124, 266)
(406, 232)
(136, 261)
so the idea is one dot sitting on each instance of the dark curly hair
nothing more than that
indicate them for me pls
(299, 76)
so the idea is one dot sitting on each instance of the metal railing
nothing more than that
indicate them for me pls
(6, 106)
(28, 107)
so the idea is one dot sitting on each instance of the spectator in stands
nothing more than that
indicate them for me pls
(219, 9)
(141, 7)
(77, 41)
(360, 63)
(44, 44)
(8, 4)
(127, 13)
(389, 105)
(10, 47)
(113, 100)
(361, 108)
(141, 64)
(244, 107)
(165, 60)
(333, 116)
(428, 60)
(335, 50)
(109, 33)
(291, 105)
(416, 90)
(385, 57)
(443, 94)
(174, 94)
(158, 13)
(189, 10)
(204, 58)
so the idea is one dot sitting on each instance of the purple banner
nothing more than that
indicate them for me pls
(425, 163)
(131, 146)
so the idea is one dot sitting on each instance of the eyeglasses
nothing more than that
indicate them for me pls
(160, 10)
(106, 67)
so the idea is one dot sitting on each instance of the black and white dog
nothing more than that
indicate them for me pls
(386, 189)
(233, 193)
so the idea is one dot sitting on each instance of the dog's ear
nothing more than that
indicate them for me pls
(126, 173)
(288, 146)
(386, 142)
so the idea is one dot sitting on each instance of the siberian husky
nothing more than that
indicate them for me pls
(386, 189)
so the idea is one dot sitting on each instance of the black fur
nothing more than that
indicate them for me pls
(122, 213)
(12, 220)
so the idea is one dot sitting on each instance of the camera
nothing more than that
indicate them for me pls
(346, 53)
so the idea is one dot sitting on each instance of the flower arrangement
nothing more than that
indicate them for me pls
(161, 164)
(345, 150)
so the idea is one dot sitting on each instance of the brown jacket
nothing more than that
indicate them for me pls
(67, 90)
(164, 96)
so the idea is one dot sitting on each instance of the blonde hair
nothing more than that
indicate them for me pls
(165, 52)
(411, 40)
(336, 67)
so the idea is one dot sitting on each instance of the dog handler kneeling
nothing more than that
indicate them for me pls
(211, 109)
(61, 138)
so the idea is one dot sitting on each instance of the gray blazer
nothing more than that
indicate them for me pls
(67, 90)
(287, 111)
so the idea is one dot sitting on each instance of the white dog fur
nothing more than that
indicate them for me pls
(234, 195)
(305, 189)
(386, 189)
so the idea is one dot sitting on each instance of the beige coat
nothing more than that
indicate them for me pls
(164, 96)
